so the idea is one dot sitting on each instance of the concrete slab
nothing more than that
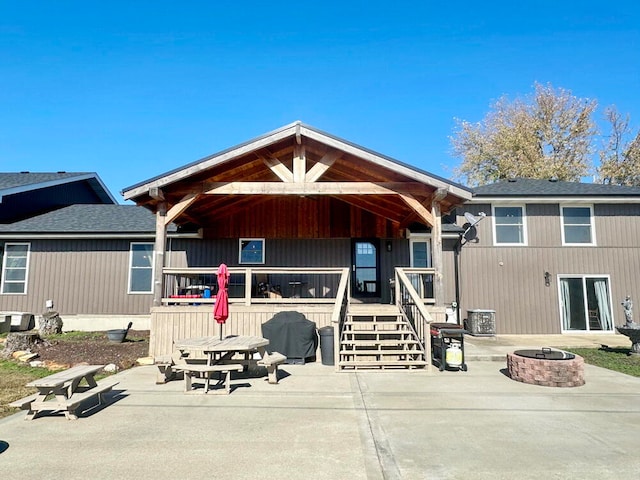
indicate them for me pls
(318, 424)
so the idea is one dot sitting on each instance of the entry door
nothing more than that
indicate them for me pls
(585, 303)
(365, 280)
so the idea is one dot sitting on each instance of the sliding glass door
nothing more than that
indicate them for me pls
(585, 303)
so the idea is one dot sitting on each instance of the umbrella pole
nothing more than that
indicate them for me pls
(220, 330)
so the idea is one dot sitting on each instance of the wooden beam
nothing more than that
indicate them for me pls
(158, 254)
(156, 193)
(306, 188)
(420, 209)
(322, 166)
(180, 207)
(436, 253)
(280, 169)
(299, 164)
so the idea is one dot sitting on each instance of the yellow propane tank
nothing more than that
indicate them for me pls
(453, 356)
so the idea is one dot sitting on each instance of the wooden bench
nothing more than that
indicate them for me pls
(69, 406)
(24, 403)
(271, 361)
(200, 373)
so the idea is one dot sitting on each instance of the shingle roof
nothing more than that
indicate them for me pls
(88, 219)
(527, 187)
(16, 182)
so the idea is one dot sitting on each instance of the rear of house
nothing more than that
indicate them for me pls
(553, 257)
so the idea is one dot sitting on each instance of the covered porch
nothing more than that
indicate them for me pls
(305, 221)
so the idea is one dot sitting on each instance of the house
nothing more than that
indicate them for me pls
(65, 242)
(312, 223)
(552, 257)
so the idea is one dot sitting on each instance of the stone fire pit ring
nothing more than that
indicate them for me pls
(546, 367)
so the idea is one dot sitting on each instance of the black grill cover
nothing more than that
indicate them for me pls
(291, 334)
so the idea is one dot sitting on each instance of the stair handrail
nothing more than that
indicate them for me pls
(413, 309)
(339, 313)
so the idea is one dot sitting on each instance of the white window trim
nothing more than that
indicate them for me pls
(591, 225)
(524, 225)
(419, 237)
(4, 266)
(264, 247)
(584, 277)
(153, 266)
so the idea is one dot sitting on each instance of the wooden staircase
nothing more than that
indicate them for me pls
(375, 336)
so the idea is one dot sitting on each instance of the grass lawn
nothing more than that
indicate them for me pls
(617, 359)
(13, 378)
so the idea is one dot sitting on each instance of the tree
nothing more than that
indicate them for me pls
(620, 159)
(547, 135)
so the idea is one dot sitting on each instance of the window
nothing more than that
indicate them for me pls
(420, 251)
(509, 225)
(252, 250)
(577, 226)
(585, 303)
(15, 266)
(141, 271)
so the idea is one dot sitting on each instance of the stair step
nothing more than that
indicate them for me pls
(381, 353)
(383, 363)
(394, 342)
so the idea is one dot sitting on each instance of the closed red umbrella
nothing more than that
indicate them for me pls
(221, 307)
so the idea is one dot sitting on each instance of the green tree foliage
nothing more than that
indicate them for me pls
(546, 135)
(620, 158)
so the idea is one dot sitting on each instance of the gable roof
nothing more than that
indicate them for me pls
(554, 190)
(20, 182)
(86, 219)
(298, 130)
(296, 161)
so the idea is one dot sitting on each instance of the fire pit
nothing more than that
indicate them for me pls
(550, 368)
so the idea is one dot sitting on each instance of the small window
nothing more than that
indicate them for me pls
(141, 268)
(509, 225)
(577, 226)
(252, 250)
(15, 266)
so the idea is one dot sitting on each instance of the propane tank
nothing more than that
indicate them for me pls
(453, 356)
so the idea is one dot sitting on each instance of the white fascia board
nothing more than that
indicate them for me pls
(91, 236)
(567, 199)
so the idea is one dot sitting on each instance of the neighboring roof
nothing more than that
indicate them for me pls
(295, 129)
(546, 189)
(88, 219)
(12, 182)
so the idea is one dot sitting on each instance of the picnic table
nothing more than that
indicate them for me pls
(66, 389)
(220, 355)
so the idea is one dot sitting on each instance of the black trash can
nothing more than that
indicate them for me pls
(326, 345)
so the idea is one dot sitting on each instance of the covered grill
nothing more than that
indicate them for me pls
(291, 334)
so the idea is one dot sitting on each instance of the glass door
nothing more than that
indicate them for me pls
(585, 303)
(365, 281)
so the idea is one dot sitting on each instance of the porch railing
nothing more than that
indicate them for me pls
(411, 304)
(339, 313)
(253, 285)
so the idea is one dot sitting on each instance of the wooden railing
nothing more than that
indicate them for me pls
(339, 313)
(411, 304)
(253, 285)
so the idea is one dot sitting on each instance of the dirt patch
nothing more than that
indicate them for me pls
(93, 348)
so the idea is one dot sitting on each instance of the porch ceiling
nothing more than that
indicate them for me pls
(304, 166)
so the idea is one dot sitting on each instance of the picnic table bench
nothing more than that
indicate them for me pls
(67, 393)
(219, 356)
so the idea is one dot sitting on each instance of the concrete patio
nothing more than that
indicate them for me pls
(318, 424)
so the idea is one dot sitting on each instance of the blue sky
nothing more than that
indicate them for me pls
(132, 89)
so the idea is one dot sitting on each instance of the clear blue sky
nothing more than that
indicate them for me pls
(132, 89)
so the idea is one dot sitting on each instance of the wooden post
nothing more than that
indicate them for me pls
(158, 254)
(436, 247)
